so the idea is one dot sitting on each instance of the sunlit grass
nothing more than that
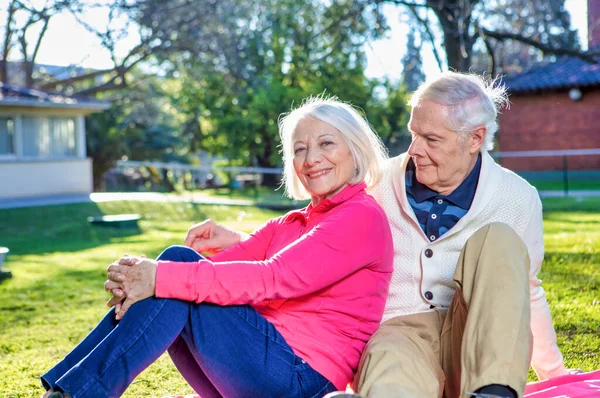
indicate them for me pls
(58, 261)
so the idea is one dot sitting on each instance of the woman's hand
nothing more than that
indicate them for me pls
(210, 237)
(136, 277)
(114, 288)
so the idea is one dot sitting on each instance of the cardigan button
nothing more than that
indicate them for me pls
(428, 253)
(428, 295)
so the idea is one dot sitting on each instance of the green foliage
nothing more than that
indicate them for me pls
(104, 141)
(391, 116)
(138, 126)
(267, 57)
(58, 261)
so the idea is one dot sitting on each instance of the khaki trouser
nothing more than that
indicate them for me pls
(483, 338)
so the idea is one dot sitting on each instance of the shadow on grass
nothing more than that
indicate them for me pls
(65, 228)
(48, 297)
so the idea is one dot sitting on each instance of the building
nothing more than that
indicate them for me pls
(555, 107)
(42, 143)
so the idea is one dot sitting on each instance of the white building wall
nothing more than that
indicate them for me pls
(53, 177)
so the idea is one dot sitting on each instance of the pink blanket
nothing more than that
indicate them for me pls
(584, 385)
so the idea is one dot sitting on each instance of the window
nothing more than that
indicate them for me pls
(49, 137)
(7, 133)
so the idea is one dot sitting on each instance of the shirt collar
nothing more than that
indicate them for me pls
(461, 196)
(325, 205)
(414, 188)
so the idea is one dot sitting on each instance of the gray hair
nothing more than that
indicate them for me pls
(368, 152)
(472, 100)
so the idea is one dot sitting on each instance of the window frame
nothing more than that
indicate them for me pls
(18, 136)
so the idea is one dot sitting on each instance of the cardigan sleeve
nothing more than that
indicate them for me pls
(547, 359)
(336, 247)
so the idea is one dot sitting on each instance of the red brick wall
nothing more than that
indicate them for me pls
(551, 121)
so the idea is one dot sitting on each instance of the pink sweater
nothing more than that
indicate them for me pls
(319, 275)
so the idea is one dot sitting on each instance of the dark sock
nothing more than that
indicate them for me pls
(497, 389)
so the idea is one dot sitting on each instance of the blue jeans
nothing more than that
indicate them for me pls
(229, 351)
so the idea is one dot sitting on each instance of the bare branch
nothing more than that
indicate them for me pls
(101, 88)
(430, 36)
(36, 49)
(75, 79)
(490, 51)
(590, 57)
(408, 3)
(7, 39)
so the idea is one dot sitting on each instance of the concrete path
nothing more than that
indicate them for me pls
(100, 197)
(197, 198)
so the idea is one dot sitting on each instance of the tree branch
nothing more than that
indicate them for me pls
(590, 57)
(425, 26)
(36, 49)
(108, 86)
(7, 38)
(490, 50)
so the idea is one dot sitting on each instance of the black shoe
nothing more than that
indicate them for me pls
(56, 394)
(496, 390)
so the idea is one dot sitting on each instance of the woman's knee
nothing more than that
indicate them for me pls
(179, 253)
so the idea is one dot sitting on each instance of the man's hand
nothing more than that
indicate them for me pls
(137, 281)
(210, 237)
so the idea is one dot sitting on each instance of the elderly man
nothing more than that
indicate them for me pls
(465, 299)
(468, 247)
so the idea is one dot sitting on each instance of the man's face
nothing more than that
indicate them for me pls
(443, 159)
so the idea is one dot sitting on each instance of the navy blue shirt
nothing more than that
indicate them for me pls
(437, 213)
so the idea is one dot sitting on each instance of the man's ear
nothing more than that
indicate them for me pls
(476, 139)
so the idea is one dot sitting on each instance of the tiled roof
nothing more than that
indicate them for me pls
(11, 95)
(564, 73)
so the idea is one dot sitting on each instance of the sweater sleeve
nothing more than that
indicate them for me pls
(253, 248)
(547, 360)
(336, 247)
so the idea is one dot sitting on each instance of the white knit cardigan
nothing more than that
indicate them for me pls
(501, 196)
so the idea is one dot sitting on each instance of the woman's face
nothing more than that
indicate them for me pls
(322, 159)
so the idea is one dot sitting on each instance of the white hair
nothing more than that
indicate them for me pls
(472, 101)
(368, 152)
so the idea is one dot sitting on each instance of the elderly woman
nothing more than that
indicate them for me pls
(284, 313)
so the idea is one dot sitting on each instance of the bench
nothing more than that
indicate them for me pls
(246, 179)
(3, 253)
(116, 220)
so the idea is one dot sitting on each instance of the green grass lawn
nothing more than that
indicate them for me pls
(559, 185)
(58, 261)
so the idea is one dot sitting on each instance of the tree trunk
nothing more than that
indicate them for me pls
(458, 44)
(167, 183)
(269, 180)
(455, 19)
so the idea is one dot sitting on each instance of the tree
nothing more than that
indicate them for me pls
(391, 114)
(463, 22)
(412, 64)
(136, 127)
(23, 17)
(543, 21)
(266, 55)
